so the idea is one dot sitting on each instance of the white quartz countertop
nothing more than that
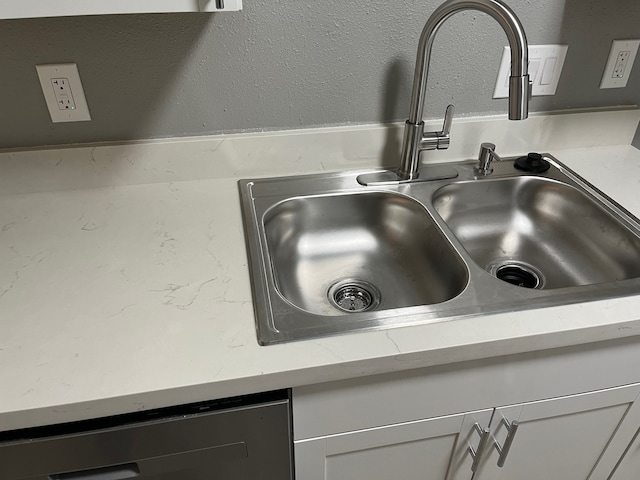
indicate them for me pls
(134, 296)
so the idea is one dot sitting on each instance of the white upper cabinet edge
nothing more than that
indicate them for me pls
(59, 8)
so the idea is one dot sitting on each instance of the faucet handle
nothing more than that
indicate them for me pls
(443, 137)
(439, 140)
(448, 120)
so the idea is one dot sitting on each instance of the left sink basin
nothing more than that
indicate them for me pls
(328, 256)
(341, 254)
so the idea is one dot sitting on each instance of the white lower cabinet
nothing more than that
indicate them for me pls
(561, 438)
(582, 423)
(413, 450)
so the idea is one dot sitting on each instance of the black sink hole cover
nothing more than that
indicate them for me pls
(533, 162)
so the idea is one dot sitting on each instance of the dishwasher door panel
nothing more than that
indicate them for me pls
(245, 443)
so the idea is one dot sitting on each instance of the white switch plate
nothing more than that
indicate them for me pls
(618, 68)
(63, 92)
(545, 67)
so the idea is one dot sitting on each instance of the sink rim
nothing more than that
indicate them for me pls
(279, 322)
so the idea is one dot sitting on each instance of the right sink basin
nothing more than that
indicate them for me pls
(537, 232)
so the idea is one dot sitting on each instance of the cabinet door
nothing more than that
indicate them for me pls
(410, 451)
(629, 466)
(615, 466)
(561, 438)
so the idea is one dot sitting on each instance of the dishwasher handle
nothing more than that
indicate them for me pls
(117, 472)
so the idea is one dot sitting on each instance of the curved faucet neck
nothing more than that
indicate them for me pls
(518, 107)
(415, 140)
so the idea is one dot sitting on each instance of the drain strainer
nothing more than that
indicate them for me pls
(353, 296)
(519, 274)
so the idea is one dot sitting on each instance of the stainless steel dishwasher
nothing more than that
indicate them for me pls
(244, 438)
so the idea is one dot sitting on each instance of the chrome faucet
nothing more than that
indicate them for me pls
(415, 140)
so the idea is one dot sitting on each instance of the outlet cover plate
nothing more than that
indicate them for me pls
(63, 92)
(618, 68)
(545, 67)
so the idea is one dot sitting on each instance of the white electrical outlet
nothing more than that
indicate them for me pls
(63, 92)
(545, 67)
(618, 68)
(621, 64)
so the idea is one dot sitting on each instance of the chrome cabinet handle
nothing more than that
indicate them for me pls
(220, 4)
(476, 454)
(503, 450)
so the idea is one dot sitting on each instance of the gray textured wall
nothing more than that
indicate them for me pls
(289, 64)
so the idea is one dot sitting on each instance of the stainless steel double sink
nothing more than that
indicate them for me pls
(329, 255)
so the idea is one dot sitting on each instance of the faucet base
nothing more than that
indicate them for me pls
(410, 156)
(426, 173)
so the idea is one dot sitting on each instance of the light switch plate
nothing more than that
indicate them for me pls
(545, 67)
(618, 68)
(63, 92)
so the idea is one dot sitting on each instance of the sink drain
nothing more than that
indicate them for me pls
(518, 274)
(354, 296)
